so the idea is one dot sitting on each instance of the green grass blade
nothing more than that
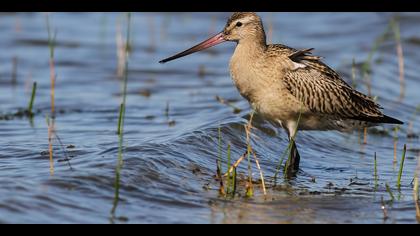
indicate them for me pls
(31, 102)
(388, 189)
(376, 171)
(401, 167)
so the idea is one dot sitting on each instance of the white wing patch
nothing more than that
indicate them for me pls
(298, 66)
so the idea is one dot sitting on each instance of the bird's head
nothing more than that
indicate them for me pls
(241, 26)
(244, 26)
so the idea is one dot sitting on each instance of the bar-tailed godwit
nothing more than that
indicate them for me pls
(290, 87)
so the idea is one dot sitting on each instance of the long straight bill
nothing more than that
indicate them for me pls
(217, 39)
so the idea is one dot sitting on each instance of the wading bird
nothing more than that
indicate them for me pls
(290, 87)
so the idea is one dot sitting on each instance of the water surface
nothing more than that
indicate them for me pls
(170, 159)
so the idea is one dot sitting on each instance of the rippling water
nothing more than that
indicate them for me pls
(170, 159)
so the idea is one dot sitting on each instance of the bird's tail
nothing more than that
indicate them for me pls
(389, 120)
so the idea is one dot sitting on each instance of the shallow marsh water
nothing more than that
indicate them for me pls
(170, 159)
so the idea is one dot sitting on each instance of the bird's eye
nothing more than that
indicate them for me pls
(239, 24)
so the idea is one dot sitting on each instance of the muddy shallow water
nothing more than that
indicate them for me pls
(172, 121)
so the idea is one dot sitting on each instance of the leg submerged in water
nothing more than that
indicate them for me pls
(292, 164)
(294, 159)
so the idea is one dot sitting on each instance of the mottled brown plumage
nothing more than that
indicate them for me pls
(282, 83)
(310, 87)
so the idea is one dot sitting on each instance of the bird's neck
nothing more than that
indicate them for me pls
(251, 48)
(244, 66)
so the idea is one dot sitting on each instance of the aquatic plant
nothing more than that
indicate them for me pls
(31, 101)
(388, 189)
(121, 124)
(401, 167)
(375, 170)
(249, 186)
(51, 125)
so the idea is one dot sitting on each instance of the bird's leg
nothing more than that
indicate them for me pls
(294, 158)
(292, 164)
